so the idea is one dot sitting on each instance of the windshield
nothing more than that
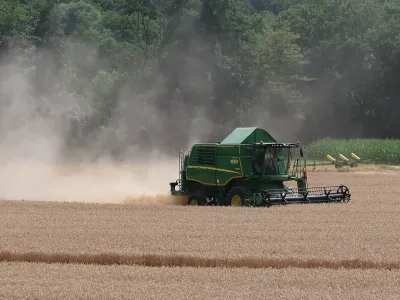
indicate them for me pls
(274, 161)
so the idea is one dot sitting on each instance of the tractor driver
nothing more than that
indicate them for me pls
(271, 162)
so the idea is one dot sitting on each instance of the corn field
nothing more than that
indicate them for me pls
(369, 150)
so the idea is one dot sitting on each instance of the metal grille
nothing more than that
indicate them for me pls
(204, 155)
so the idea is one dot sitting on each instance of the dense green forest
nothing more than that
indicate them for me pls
(158, 73)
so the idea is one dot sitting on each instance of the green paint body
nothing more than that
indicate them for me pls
(249, 164)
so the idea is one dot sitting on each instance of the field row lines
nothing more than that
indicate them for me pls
(155, 260)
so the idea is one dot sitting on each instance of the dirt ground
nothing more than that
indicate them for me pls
(365, 229)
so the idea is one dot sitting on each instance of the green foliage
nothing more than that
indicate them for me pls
(14, 24)
(321, 67)
(371, 150)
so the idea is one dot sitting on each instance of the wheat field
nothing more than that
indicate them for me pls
(43, 281)
(145, 249)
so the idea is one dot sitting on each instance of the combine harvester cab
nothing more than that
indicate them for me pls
(249, 168)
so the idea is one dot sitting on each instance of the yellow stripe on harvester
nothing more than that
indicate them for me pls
(215, 184)
(214, 169)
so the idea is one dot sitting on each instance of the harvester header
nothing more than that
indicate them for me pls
(249, 168)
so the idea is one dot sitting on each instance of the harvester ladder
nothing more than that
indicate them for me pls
(297, 168)
(181, 166)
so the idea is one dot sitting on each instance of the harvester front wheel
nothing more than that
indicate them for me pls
(196, 200)
(237, 196)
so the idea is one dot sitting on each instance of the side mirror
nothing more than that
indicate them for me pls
(301, 152)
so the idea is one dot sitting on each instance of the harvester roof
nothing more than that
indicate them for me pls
(248, 135)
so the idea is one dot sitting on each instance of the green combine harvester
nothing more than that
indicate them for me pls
(249, 168)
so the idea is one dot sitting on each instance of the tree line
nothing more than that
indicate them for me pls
(162, 72)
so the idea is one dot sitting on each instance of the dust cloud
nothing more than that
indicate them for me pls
(33, 165)
(99, 183)
(133, 158)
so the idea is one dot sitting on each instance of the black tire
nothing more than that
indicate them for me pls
(196, 199)
(237, 195)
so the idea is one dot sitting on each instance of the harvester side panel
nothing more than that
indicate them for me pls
(228, 164)
(202, 164)
(246, 160)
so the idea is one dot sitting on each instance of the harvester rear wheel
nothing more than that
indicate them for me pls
(237, 195)
(196, 199)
